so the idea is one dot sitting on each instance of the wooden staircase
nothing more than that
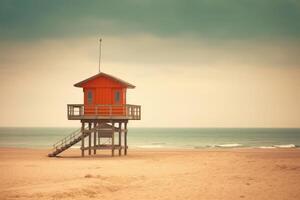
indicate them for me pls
(69, 141)
(103, 135)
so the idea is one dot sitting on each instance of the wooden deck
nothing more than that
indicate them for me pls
(127, 112)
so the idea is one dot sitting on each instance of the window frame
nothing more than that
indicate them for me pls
(89, 97)
(117, 93)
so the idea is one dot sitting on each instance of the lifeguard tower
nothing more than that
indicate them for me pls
(103, 115)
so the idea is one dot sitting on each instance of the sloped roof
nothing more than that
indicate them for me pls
(128, 85)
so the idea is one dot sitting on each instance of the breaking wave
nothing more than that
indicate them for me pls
(229, 145)
(285, 146)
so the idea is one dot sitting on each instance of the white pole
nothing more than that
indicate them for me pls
(100, 53)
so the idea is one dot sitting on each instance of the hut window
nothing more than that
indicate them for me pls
(117, 97)
(90, 97)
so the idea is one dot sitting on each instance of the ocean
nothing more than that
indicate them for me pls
(182, 138)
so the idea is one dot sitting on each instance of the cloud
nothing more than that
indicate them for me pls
(34, 19)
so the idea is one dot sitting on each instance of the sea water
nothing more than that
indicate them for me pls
(185, 138)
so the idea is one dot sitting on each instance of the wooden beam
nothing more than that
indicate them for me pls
(120, 143)
(90, 139)
(104, 146)
(113, 140)
(95, 137)
(125, 138)
(98, 133)
(82, 139)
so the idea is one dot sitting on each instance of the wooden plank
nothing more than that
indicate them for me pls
(82, 139)
(125, 138)
(105, 146)
(110, 129)
(90, 139)
(106, 131)
(120, 133)
(113, 141)
(106, 135)
(95, 137)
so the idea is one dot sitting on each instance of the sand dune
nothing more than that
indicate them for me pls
(152, 174)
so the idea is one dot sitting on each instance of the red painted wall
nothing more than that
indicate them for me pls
(103, 91)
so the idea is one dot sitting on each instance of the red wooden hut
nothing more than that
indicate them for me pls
(104, 95)
(103, 113)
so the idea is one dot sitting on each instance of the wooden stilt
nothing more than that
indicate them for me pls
(95, 137)
(113, 140)
(90, 138)
(117, 128)
(99, 134)
(82, 139)
(120, 143)
(98, 138)
(125, 138)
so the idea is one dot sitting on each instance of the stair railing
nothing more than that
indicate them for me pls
(67, 139)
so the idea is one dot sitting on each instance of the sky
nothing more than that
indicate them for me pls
(204, 63)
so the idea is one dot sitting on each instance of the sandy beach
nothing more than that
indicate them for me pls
(152, 174)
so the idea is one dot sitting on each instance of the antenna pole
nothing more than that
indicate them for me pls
(100, 53)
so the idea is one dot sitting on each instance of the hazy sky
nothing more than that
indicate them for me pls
(204, 63)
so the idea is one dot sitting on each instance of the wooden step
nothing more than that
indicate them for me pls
(104, 130)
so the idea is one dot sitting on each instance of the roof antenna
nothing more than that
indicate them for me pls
(100, 53)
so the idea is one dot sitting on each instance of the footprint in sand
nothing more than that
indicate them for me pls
(88, 176)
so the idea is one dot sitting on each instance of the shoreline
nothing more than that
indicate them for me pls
(166, 138)
(172, 148)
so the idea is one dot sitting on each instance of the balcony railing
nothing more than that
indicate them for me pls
(104, 111)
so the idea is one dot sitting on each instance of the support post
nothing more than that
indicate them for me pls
(113, 140)
(95, 137)
(120, 143)
(125, 138)
(90, 138)
(82, 139)
(98, 135)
